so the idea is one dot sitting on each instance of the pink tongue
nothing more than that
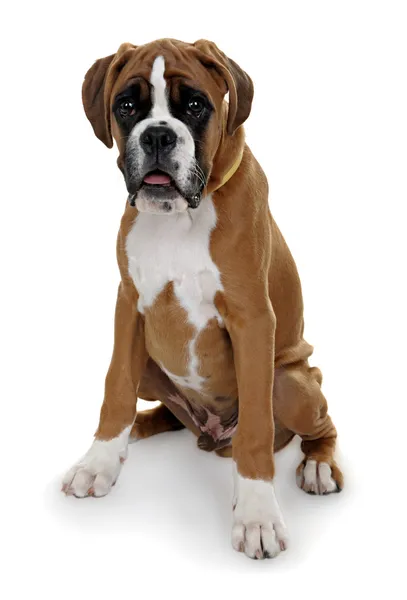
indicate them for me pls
(157, 179)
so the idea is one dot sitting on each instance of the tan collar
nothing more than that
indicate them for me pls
(231, 171)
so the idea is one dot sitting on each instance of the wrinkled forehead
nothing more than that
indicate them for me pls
(166, 65)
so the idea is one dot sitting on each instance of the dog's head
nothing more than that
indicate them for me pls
(163, 105)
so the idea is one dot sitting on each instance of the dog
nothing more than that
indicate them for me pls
(209, 314)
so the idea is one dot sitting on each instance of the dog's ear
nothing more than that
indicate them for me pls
(238, 83)
(97, 88)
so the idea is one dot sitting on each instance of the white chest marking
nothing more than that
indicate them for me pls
(175, 248)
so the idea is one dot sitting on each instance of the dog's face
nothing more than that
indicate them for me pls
(163, 103)
(164, 123)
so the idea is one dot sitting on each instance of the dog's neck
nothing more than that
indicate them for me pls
(227, 158)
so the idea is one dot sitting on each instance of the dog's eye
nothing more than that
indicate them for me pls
(196, 106)
(127, 109)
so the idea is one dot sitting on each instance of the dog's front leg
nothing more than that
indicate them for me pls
(97, 471)
(258, 526)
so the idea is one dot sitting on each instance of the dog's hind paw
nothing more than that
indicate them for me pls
(319, 477)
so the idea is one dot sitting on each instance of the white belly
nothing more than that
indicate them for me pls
(175, 248)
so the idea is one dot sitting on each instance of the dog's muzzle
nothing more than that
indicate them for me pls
(161, 176)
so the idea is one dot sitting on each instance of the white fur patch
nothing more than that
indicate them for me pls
(160, 108)
(193, 380)
(98, 470)
(316, 478)
(258, 526)
(165, 248)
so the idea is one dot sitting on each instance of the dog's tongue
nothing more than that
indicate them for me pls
(157, 179)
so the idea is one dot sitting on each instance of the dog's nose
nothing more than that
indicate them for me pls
(158, 140)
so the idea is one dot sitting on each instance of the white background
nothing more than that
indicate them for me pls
(329, 126)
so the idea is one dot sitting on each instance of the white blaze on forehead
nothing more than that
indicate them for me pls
(157, 80)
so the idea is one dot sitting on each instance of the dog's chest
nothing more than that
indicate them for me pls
(175, 249)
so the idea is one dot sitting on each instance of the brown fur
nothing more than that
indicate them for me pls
(259, 361)
(155, 420)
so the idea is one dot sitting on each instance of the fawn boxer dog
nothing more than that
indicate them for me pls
(209, 314)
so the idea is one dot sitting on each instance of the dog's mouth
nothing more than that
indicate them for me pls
(158, 194)
(158, 179)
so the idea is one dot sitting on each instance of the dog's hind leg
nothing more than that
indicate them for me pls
(154, 420)
(301, 407)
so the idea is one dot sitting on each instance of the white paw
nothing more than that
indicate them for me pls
(316, 478)
(98, 470)
(258, 526)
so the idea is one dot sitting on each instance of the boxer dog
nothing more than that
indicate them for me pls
(209, 314)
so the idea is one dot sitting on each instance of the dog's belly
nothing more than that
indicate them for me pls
(177, 280)
(200, 365)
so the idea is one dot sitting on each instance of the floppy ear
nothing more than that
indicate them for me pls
(238, 82)
(96, 90)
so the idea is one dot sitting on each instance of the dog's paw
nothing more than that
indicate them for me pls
(319, 478)
(258, 526)
(98, 470)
